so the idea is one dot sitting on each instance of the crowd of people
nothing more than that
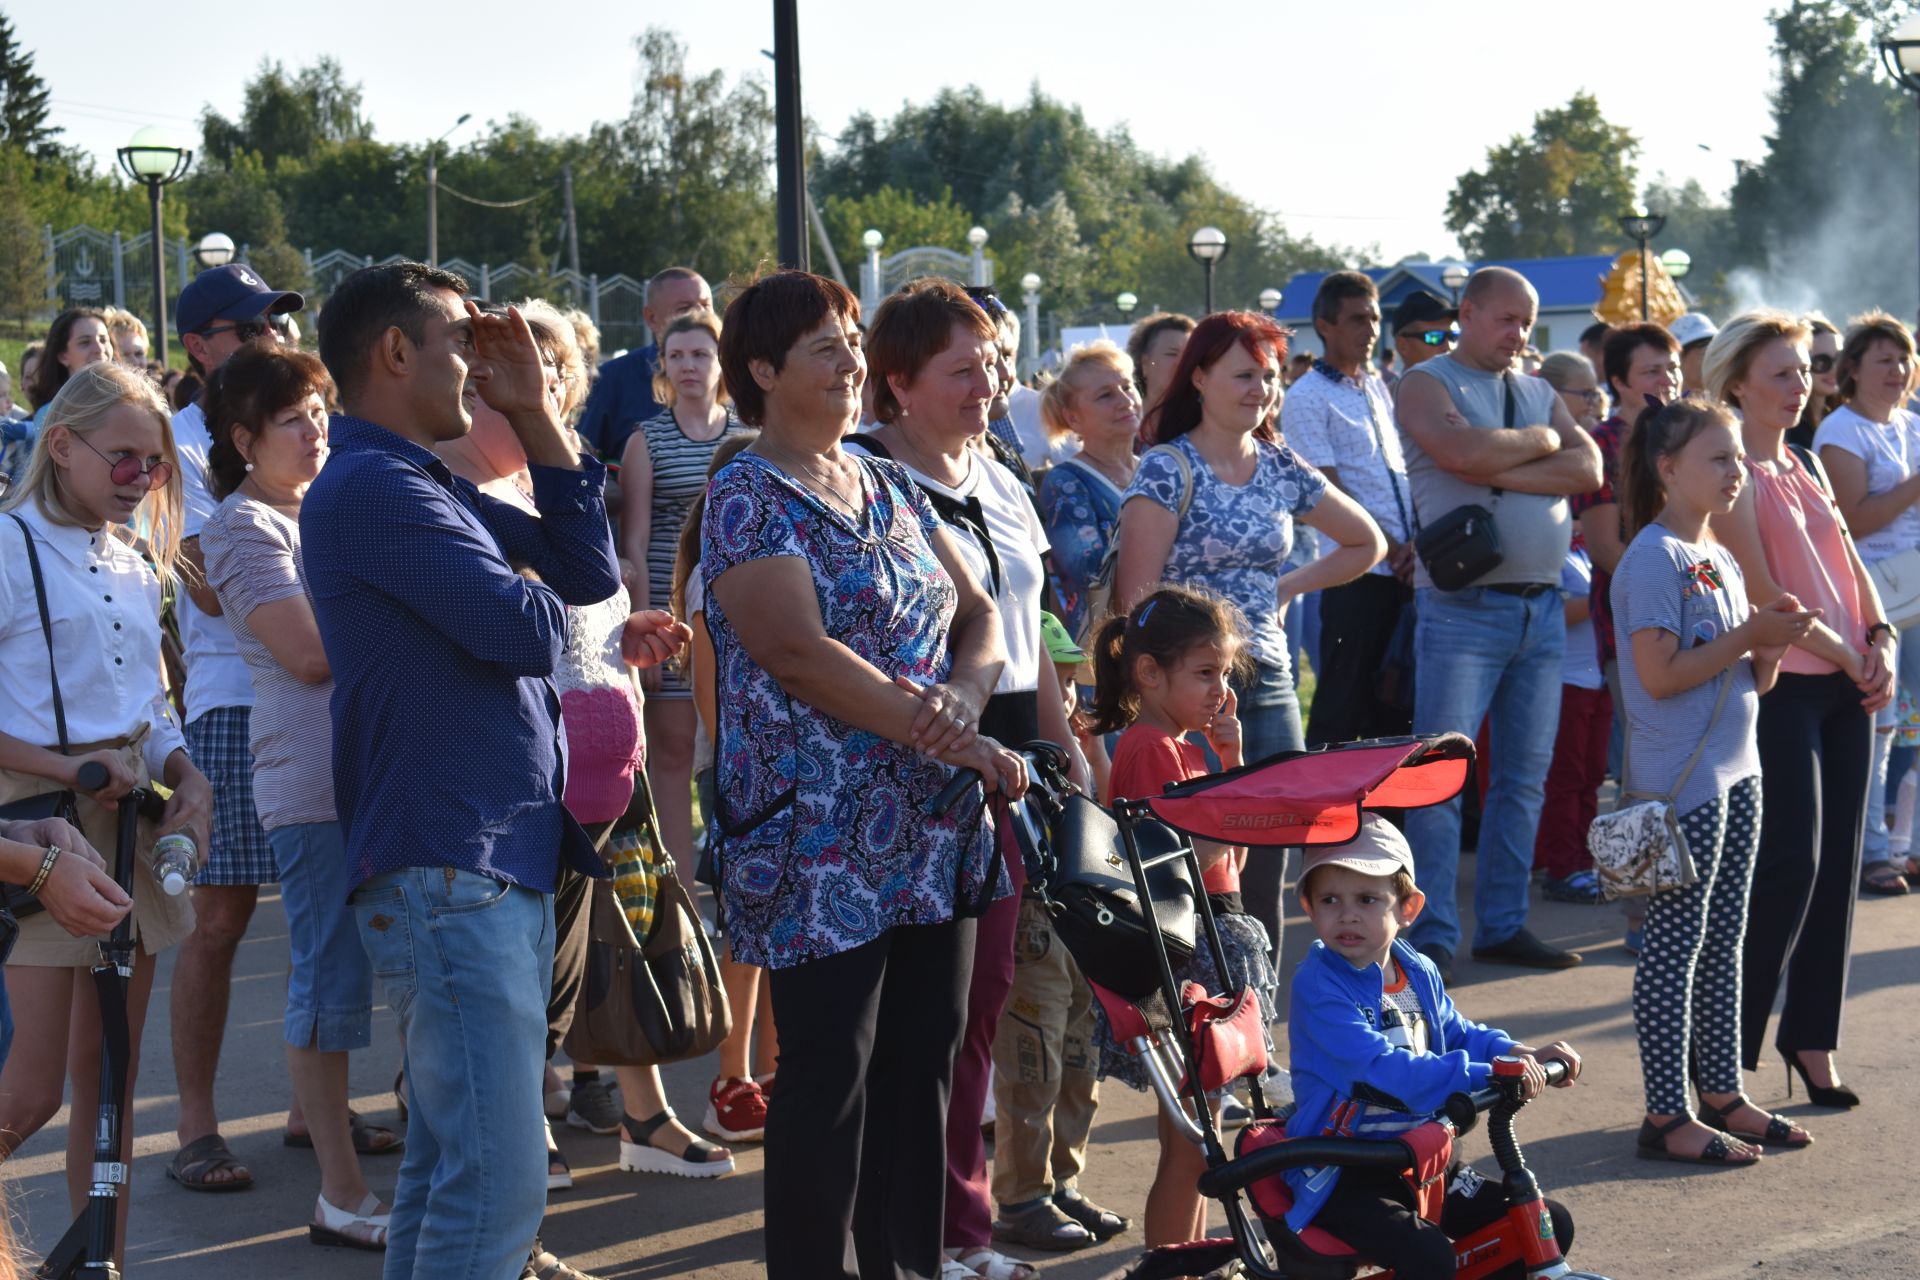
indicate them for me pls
(459, 636)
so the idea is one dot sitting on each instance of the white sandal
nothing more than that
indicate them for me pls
(988, 1265)
(952, 1270)
(335, 1226)
(644, 1157)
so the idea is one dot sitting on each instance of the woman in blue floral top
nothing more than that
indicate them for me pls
(1094, 398)
(1213, 505)
(853, 652)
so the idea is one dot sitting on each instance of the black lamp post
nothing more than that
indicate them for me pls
(153, 157)
(433, 190)
(1126, 302)
(1208, 246)
(1900, 51)
(1643, 226)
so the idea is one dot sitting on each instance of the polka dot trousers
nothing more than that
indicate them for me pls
(1686, 991)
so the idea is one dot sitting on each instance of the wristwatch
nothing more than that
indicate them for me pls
(1893, 632)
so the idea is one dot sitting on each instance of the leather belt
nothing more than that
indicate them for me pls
(1525, 590)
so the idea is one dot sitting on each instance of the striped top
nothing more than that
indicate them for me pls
(253, 558)
(679, 474)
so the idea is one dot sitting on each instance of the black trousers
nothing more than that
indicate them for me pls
(571, 894)
(1816, 749)
(856, 1179)
(1356, 623)
(1373, 1212)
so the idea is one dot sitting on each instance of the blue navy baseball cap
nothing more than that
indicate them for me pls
(232, 292)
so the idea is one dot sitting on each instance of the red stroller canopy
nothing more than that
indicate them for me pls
(1315, 797)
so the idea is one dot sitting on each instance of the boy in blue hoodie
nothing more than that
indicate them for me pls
(1377, 1047)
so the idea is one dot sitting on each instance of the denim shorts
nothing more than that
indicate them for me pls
(330, 984)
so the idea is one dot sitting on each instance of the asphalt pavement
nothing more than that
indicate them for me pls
(1844, 1207)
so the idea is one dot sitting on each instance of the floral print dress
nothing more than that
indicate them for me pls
(1081, 510)
(1235, 539)
(823, 841)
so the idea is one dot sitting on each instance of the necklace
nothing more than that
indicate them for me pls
(1121, 473)
(919, 458)
(812, 480)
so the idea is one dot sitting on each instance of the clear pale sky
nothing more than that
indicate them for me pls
(1350, 118)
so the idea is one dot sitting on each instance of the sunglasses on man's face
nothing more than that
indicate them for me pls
(242, 330)
(130, 468)
(1821, 364)
(1435, 337)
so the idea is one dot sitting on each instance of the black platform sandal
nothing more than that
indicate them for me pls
(638, 1154)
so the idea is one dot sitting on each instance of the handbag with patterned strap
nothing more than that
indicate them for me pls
(1639, 849)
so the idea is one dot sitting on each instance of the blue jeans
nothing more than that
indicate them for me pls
(466, 962)
(1477, 653)
(1874, 837)
(329, 987)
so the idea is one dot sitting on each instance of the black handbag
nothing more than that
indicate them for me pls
(1076, 863)
(50, 804)
(1463, 546)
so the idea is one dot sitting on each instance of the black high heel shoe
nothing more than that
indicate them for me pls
(1820, 1095)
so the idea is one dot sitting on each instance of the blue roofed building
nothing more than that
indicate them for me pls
(1569, 289)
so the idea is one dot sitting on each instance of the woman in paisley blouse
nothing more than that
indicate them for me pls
(1095, 398)
(1214, 504)
(853, 652)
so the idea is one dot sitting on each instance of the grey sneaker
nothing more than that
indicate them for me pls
(543, 1265)
(593, 1107)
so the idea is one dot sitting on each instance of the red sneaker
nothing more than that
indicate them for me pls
(736, 1111)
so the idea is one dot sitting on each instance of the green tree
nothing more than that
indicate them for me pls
(908, 220)
(1559, 190)
(1704, 227)
(23, 253)
(1826, 217)
(287, 116)
(24, 99)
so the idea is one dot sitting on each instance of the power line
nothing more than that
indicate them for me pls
(493, 204)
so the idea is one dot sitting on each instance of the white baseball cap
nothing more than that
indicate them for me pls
(1378, 850)
(1691, 328)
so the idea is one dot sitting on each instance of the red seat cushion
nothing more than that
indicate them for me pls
(1274, 1199)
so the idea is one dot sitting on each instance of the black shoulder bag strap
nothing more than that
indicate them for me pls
(1409, 520)
(46, 630)
(1507, 411)
(962, 513)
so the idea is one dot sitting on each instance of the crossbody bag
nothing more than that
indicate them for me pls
(48, 804)
(1639, 849)
(1463, 546)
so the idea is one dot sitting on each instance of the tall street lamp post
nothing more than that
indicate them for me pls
(1900, 51)
(1643, 226)
(1677, 262)
(433, 191)
(1208, 246)
(1030, 294)
(1455, 278)
(1126, 302)
(1270, 300)
(155, 158)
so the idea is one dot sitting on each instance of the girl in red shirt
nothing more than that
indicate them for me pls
(1161, 675)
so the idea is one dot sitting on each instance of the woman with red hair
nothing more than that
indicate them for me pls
(1213, 505)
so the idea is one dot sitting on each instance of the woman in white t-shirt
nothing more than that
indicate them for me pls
(932, 357)
(1870, 447)
(103, 460)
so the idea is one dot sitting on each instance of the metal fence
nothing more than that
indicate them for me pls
(89, 267)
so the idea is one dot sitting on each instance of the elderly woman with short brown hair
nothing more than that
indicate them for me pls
(853, 652)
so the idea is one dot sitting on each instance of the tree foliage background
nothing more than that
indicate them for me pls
(1825, 217)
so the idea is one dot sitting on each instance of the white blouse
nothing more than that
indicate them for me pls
(105, 605)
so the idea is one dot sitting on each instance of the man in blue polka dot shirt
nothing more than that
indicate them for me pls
(449, 761)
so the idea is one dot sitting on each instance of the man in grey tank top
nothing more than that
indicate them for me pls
(1494, 647)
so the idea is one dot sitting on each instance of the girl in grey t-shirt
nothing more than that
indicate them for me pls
(1686, 630)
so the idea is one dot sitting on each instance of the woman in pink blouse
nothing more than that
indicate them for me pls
(1816, 725)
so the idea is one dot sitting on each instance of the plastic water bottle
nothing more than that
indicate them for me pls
(173, 859)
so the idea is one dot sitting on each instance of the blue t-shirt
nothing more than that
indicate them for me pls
(1692, 590)
(1235, 538)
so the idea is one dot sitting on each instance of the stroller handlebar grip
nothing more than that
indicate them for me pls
(91, 776)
